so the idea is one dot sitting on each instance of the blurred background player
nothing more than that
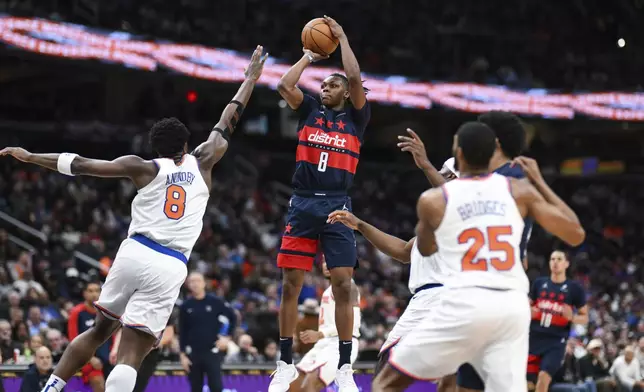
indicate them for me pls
(318, 366)
(205, 321)
(144, 282)
(330, 136)
(555, 300)
(81, 319)
(468, 325)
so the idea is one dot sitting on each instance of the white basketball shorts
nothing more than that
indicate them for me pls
(143, 285)
(324, 358)
(418, 308)
(484, 327)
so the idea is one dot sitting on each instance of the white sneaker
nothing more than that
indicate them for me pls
(282, 377)
(344, 379)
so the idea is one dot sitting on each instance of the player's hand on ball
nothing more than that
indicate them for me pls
(310, 336)
(19, 153)
(344, 217)
(530, 168)
(336, 29)
(413, 145)
(314, 57)
(256, 66)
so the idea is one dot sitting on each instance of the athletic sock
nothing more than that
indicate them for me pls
(345, 352)
(286, 350)
(121, 379)
(54, 384)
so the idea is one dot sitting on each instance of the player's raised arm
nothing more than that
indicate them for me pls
(287, 86)
(129, 166)
(548, 215)
(413, 145)
(430, 207)
(211, 151)
(392, 246)
(350, 64)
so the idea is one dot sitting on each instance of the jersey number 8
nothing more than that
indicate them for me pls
(175, 202)
(324, 160)
(468, 263)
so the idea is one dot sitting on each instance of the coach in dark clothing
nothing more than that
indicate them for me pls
(36, 376)
(204, 320)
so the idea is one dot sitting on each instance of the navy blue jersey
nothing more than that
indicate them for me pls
(549, 298)
(508, 170)
(329, 146)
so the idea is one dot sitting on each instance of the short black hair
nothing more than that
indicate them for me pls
(345, 81)
(478, 142)
(565, 254)
(509, 131)
(168, 137)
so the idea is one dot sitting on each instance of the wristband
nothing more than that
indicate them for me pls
(65, 163)
(311, 60)
(225, 133)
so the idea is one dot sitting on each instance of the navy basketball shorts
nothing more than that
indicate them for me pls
(467, 377)
(306, 229)
(546, 354)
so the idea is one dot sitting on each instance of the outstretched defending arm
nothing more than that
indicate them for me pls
(130, 166)
(392, 246)
(413, 145)
(210, 152)
(350, 64)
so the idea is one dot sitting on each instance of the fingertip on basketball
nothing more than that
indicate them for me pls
(317, 37)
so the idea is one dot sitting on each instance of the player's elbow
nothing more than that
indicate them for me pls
(283, 88)
(577, 236)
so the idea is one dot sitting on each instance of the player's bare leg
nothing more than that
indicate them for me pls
(97, 384)
(297, 385)
(390, 380)
(286, 372)
(133, 348)
(312, 383)
(341, 284)
(543, 382)
(447, 384)
(80, 351)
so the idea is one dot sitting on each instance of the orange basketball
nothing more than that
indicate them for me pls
(317, 37)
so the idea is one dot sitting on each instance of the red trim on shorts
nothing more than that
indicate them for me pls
(106, 312)
(534, 364)
(295, 261)
(404, 372)
(299, 244)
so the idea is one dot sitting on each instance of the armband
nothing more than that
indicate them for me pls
(65, 160)
(238, 112)
(225, 133)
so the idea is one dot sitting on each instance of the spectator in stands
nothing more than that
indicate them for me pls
(36, 377)
(639, 354)
(7, 345)
(247, 352)
(56, 342)
(82, 318)
(594, 369)
(205, 321)
(271, 354)
(35, 322)
(626, 370)
(5, 284)
(21, 332)
(309, 312)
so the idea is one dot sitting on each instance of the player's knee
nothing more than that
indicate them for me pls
(341, 288)
(544, 378)
(292, 283)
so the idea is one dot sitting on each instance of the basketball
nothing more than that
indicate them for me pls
(317, 37)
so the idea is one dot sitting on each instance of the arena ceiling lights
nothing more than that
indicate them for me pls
(82, 43)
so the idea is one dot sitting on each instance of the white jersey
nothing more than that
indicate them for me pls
(426, 270)
(170, 209)
(327, 313)
(480, 234)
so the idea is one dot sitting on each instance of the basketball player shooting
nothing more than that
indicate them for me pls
(330, 135)
(477, 221)
(167, 216)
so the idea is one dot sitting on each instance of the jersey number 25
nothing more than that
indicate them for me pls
(471, 263)
(175, 202)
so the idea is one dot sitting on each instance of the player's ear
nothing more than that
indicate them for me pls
(346, 94)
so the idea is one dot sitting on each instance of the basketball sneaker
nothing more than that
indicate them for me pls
(344, 379)
(283, 376)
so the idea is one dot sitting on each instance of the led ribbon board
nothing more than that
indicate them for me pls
(82, 43)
